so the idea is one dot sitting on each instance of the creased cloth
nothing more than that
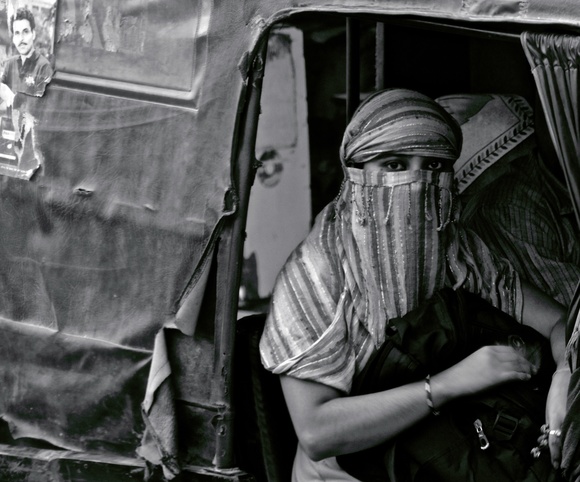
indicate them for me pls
(525, 216)
(492, 126)
(392, 237)
(401, 121)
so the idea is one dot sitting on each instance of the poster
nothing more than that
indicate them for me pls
(26, 68)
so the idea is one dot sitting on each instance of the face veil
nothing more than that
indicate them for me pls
(394, 239)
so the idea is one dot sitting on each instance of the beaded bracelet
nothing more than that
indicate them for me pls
(430, 403)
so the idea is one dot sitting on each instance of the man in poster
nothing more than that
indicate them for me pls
(24, 77)
(29, 71)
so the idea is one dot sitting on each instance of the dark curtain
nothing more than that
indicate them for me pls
(554, 62)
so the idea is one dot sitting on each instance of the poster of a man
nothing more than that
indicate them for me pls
(24, 74)
(29, 71)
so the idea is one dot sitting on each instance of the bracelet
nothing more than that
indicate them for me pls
(430, 403)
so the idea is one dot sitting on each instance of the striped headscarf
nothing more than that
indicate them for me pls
(386, 244)
(400, 121)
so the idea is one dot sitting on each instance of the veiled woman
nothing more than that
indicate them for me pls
(388, 242)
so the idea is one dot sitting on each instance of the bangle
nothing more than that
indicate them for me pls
(430, 404)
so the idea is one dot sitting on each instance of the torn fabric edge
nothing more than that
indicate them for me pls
(190, 301)
(159, 444)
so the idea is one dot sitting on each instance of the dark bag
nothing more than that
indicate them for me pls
(479, 439)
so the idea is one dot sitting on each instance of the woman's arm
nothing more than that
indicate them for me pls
(328, 423)
(547, 316)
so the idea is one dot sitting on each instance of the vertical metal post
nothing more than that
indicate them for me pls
(380, 62)
(229, 265)
(352, 66)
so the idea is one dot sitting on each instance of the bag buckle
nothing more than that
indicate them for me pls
(390, 330)
(505, 425)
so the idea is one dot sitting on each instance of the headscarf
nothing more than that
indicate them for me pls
(386, 244)
(400, 121)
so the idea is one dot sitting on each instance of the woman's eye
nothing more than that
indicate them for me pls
(435, 165)
(394, 166)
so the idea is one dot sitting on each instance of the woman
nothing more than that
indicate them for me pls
(387, 243)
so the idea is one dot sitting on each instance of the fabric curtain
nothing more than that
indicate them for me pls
(554, 61)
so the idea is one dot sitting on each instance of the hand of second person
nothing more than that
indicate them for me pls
(555, 412)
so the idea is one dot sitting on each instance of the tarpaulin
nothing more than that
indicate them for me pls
(100, 249)
(74, 392)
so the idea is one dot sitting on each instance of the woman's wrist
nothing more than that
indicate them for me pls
(429, 396)
(442, 390)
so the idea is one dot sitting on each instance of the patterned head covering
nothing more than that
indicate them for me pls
(400, 121)
(493, 126)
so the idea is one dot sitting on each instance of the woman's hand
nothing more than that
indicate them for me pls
(555, 412)
(485, 368)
